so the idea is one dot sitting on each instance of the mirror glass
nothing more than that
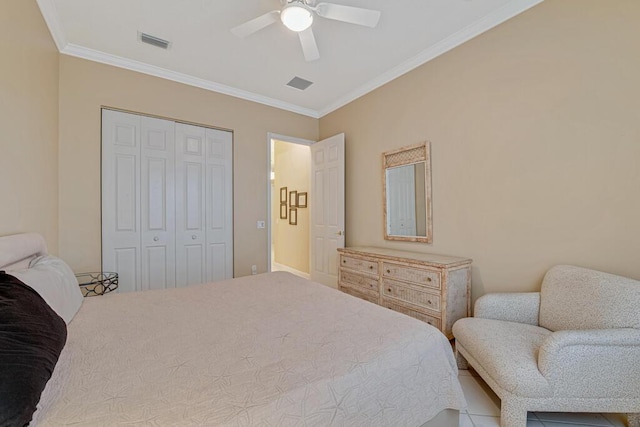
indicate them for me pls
(406, 204)
(407, 194)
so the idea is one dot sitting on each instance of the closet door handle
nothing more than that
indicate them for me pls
(156, 238)
(194, 237)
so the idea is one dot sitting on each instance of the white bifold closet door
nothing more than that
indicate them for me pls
(167, 215)
(203, 194)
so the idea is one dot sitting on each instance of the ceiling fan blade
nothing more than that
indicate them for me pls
(352, 15)
(309, 45)
(256, 24)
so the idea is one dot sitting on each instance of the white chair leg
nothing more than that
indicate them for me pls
(461, 361)
(633, 420)
(512, 414)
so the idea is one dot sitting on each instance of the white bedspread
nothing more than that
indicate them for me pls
(266, 350)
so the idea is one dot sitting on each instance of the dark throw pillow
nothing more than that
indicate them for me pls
(32, 336)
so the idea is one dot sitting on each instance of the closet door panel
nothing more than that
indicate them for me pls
(194, 268)
(157, 267)
(126, 208)
(219, 159)
(190, 205)
(121, 136)
(158, 203)
(125, 262)
(193, 188)
(217, 262)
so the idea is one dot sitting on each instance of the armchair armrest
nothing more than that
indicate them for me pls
(521, 307)
(592, 363)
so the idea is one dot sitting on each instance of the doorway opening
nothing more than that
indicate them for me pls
(289, 204)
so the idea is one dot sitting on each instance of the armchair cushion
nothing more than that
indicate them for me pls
(592, 363)
(521, 307)
(508, 352)
(574, 298)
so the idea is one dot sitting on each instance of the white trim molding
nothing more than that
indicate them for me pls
(152, 70)
(484, 24)
(51, 17)
(511, 9)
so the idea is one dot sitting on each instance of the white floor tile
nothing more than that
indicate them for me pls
(480, 399)
(465, 421)
(617, 420)
(484, 421)
(583, 419)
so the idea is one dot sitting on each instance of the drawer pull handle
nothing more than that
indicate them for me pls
(388, 271)
(371, 267)
(389, 290)
(428, 301)
(344, 261)
(428, 279)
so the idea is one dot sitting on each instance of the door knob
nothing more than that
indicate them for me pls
(194, 237)
(340, 233)
(156, 238)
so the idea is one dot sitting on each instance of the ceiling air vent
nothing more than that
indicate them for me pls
(299, 83)
(154, 41)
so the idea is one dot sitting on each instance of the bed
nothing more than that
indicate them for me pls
(264, 350)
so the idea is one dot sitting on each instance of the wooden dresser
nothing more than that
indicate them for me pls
(433, 288)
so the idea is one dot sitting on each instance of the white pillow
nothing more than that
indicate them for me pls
(53, 279)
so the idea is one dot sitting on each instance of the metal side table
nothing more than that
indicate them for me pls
(95, 284)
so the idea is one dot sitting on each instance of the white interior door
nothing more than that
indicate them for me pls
(219, 209)
(157, 193)
(167, 202)
(327, 209)
(121, 198)
(190, 206)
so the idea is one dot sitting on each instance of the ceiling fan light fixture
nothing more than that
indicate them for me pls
(296, 17)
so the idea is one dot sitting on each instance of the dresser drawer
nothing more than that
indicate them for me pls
(359, 264)
(408, 274)
(367, 296)
(417, 295)
(359, 280)
(400, 308)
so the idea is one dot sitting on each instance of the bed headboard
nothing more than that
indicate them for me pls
(16, 251)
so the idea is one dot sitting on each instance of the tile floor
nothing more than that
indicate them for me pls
(483, 409)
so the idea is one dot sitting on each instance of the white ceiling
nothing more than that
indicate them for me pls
(354, 60)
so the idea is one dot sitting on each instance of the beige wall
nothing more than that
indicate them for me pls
(28, 123)
(535, 128)
(292, 164)
(86, 86)
(535, 131)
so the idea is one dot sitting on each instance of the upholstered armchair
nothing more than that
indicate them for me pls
(572, 347)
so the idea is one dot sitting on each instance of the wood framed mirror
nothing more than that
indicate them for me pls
(406, 194)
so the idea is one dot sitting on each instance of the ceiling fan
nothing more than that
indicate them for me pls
(297, 15)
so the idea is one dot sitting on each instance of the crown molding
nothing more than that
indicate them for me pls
(484, 24)
(152, 70)
(50, 15)
(495, 18)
